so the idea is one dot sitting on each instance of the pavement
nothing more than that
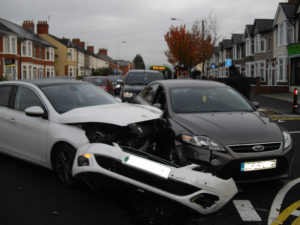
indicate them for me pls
(277, 105)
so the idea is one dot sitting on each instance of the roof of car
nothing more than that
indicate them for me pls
(44, 82)
(189, 83)
(143, 71)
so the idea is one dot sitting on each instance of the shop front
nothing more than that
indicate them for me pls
(294, 55)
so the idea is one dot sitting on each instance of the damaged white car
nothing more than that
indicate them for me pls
(80, 131)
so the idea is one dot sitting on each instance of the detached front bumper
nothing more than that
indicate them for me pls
(200, 191)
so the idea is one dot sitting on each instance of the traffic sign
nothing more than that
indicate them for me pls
(228, 62)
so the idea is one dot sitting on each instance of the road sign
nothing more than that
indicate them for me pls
(228, 62)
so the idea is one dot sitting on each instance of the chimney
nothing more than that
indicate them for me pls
(82, 44)
(102, 51)
(29, 24)
(76, 41)
(90, 49)
(42, 27)
(293, 1)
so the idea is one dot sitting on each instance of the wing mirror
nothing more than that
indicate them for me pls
(256, 105)
(35, 111)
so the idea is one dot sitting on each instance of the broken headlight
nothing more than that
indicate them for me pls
(203, 142)
(287, 139)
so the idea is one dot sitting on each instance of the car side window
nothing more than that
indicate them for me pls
(148, 93)
(5, 93)
(26, 97)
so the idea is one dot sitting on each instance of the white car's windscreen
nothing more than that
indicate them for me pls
(65, 97)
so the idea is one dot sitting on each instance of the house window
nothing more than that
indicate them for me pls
(48, 72)
(227, 54)
(281, 34)
(6, 44)
(290, 33)
(40, 52)
(262, 44)
(13, 45)
(24, 72)
(24, 48)
(47, 54)
(282, 69)
(234, 52)
(29, 72)
(248, 47)
(238, 53)
(41, 73)
(29, 48)
(34, 52)
(262, 73)
(256, 43)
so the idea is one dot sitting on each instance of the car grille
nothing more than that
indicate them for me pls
(233, 170)
(247, 148)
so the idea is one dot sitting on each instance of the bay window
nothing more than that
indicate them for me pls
(10, 44)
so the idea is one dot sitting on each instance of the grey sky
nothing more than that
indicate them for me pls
(141, 23)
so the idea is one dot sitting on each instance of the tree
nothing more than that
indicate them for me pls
(139, 62)
(189, 47)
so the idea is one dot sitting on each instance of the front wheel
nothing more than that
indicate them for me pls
(62, 164)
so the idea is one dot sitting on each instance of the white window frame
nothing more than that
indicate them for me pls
(10, 45)
(290, 29)
(258, 40)
(284, 59)
(281, 31)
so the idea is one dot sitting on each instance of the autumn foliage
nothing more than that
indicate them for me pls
(188, 48)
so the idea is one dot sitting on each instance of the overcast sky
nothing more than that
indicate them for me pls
(141, 23)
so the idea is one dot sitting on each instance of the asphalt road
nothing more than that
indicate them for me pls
(31, 195)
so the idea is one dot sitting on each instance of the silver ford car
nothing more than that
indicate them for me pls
(80, 131)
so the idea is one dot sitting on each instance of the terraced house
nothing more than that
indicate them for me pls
(268, 52)
(23, 54)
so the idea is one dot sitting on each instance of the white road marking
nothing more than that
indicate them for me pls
(276, 205)
(246, 210)
(296, 213)
(294, 132)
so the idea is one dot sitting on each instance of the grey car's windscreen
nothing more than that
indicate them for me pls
(65, 97)
(207, 99)
(97, 81)
(142, 78)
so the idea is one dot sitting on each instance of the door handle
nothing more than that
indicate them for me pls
(12, 120)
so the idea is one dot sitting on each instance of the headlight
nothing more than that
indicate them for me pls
(203, 141)
(118, 86)
(287, 139)
(127, 94)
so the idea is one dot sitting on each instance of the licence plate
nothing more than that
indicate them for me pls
(260, 165)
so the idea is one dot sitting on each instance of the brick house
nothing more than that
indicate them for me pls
(23, 54)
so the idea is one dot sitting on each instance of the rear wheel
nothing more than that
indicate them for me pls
(63, 160)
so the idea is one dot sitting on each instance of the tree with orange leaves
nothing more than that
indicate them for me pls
(188, 48)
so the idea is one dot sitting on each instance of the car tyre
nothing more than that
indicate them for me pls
(63, 160)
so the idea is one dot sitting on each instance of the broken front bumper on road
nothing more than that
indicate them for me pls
(200, 191)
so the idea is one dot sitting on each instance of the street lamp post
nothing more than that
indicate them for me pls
(122, 42)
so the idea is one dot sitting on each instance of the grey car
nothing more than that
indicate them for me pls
(221, 131)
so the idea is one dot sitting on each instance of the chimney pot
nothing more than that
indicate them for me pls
(42, 27)
(28, 24)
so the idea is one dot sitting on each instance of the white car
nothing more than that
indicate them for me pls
(80, 131)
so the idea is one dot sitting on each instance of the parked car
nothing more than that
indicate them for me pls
(81, 131)
(221, 131)
(102, 82)
(135, 81)
(116, 80)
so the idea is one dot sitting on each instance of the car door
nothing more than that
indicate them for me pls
(5, 103)
(27, 134)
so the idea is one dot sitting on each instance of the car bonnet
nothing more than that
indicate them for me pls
(120, 114)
